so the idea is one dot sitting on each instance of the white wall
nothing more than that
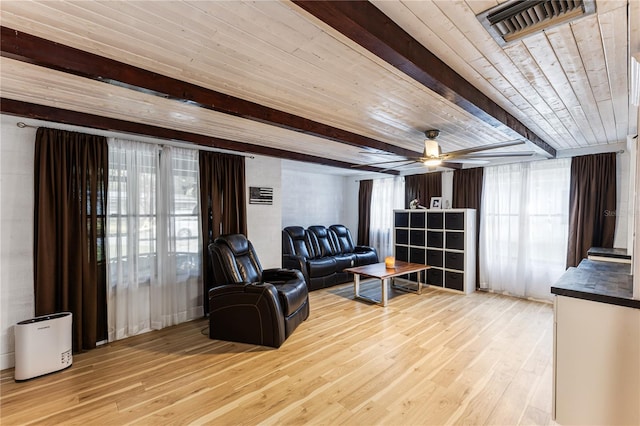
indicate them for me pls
(632, 150)
(447, 188)
(623, 179)
(264, 222)
(350, 217)
(313, 198)
(16, 231)
(636, 220)
(635, 216)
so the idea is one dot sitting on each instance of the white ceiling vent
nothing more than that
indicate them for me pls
(516, 19)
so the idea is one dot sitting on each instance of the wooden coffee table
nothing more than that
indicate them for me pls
(381, 272)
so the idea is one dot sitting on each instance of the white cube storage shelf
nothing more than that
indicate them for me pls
(442, 239)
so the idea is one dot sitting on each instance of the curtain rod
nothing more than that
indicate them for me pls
(177, 144)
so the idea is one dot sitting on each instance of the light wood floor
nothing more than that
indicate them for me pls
(434, 358)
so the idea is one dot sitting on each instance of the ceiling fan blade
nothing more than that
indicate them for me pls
(495, 155)
(483, 148)
(469, 160)
(382, 162)
(451, 165)
(402, 165)
(377, 153)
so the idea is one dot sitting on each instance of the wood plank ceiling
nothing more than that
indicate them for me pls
(270, 77)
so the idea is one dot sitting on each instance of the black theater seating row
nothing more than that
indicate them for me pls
(323, 253)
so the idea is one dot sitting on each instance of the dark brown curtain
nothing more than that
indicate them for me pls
(71, 175)
(364, 211)
(467, 194)
(592, 205)
(422, 187)
(222, 203)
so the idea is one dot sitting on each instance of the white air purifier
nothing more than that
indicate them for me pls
(43, 345)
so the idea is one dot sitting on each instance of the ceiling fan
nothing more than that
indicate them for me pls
(432, 155)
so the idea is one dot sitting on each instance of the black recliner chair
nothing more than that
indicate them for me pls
(249, 304)
(365, 255)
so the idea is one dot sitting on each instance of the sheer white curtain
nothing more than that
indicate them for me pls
(524, 226)
(131, 248)
(386, 195)
(176, 296)
(153, 238)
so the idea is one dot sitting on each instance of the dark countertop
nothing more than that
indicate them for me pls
(598, 281)
(616, 253)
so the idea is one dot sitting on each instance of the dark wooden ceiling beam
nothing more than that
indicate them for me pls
(31, 49)
(366, 25)
(57, 115)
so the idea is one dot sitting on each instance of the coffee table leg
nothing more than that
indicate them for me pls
(385, 290)
(357, 295)
(419, 284)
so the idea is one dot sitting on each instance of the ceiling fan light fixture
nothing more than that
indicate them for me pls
(432, 162)
(431, 148)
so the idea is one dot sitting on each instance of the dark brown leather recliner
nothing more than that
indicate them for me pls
(249, 304)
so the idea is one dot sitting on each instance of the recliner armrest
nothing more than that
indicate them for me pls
(281, 275)
(291, 286)
(366, 255)
(292, 261)
(255, 290)
(227, 288)
(364, 249)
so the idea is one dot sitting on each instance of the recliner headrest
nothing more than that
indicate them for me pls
(319, 230)
(238, 243)
(339, 229)
(295, 232)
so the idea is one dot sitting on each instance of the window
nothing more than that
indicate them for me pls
(184, 223)
(524, 227)
(131, 207)
(153, 238)
(386, 195)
